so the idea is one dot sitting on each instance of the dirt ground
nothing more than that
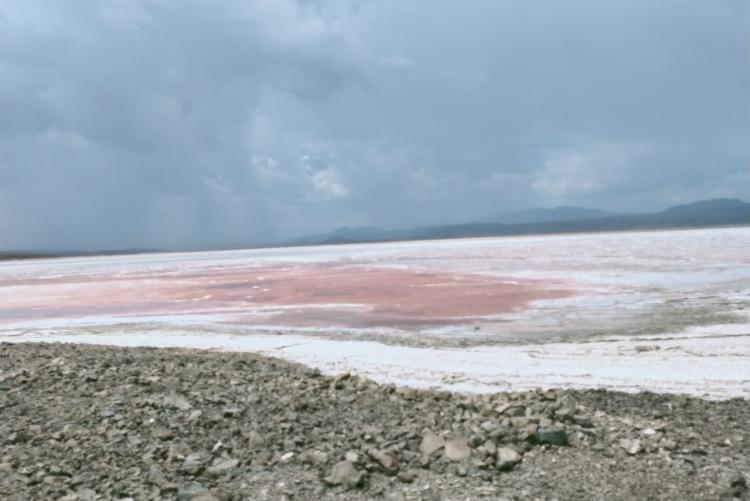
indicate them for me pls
(90, 422)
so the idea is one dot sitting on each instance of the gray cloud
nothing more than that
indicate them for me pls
(151, 123)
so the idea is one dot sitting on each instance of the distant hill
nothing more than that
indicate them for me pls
(701, 214)
(706, 213)
(716, 204)
(545, 215)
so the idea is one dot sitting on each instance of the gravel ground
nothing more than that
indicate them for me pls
(89, 422)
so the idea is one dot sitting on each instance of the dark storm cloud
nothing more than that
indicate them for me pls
(150, 123)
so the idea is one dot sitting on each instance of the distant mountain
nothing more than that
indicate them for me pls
(545, 215)
(707, 213)
(346, 234)
(715, 204)
(702, 214)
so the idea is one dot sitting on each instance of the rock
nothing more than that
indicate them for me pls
(457, 449)
(222, 466)
(568, 406)
(407, 393)
(156, 475)
(737, 486)
(551, 435)
(515, 410)
(431, 444)
(507, 458)
(352, 456)
(316, 458)
(386, 461)
(86, 494)
(667, 444)
(490, 447)
(176, 402)
(631, 445)
(500, 409)
(85, 477)
(582, 420)
(231, 412)
(255, 440)
(286, 457)
(407, 476)
(344, 473)
(194, 492)
(193, 464)
(162, 433)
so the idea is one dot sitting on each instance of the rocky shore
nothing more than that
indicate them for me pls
(92, 422)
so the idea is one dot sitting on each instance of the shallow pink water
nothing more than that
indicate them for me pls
(301, 295)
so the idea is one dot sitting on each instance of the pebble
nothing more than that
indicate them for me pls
(344, 473)
(507, 458)
(631, 445)
(457, 449)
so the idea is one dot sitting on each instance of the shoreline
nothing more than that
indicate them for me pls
(708, 362)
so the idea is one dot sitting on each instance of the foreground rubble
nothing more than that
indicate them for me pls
(89, 422)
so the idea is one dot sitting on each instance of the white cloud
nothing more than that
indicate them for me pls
(327, 184)
(582, 171)
(118, 112)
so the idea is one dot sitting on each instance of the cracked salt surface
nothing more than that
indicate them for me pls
(664, 311)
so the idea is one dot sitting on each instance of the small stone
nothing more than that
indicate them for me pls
(490, 447)
(194, 492)
(738, 485)
(344, 473)
(316, 458)
(431, 444)
(457, 449)
(407, 476)
(351, 456)
(86, 495)
(583, 421)
(193, 464)
(407, 393)
(500, 409)
(567, 407)
(551, 435)
(388, 462)
(161, 433)
(156, 475)
(667, 444)
(632, 446)
(231, 412)
(222, 466)
(255, 440)
(507, 458)
(176, 402)
(286, 457)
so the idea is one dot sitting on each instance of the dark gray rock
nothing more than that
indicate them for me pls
(551, 435)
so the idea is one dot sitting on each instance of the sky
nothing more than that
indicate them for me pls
(188, 123)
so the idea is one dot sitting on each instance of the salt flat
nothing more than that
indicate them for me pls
(664, 311)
